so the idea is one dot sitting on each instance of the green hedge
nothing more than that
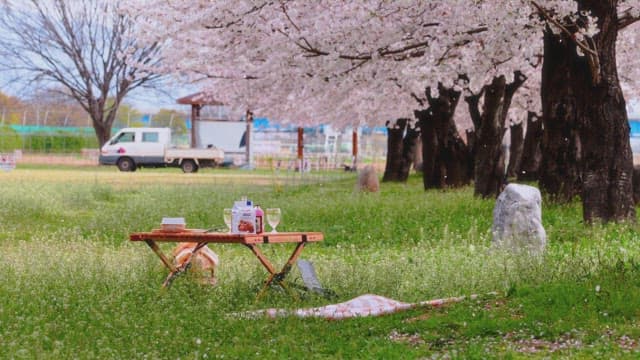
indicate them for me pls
(58, 143)
(9, 139)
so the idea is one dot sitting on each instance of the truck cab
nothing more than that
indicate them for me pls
(132, 147)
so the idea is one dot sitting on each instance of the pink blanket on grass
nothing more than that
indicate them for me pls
(363, 305)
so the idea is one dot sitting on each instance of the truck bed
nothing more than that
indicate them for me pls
(214, 154)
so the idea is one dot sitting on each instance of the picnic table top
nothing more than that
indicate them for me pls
(200, 235)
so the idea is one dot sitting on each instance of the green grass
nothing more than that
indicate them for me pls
(73, 286)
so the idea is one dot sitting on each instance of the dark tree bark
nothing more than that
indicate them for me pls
(430, 149)
(636, 184)
(607, 191)
(531, 151)
(445, 156)
(458, 160)
(489, 167)
(515, 151)
(560, 172)
(600, 110)
(417, 163)
(409, 145)
(471, 146)
(395, 135)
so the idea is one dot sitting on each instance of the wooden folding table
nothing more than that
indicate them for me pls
(202, 238)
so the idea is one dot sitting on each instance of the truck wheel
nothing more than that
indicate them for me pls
(189, 166)
(126, 164)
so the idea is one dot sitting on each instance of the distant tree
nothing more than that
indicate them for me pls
(83, 47)
(52, 107)
(9, 106)
(173, 119)
(127, 116)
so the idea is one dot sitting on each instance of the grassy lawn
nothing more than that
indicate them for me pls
(73, 286)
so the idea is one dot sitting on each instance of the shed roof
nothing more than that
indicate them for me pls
(199, 98)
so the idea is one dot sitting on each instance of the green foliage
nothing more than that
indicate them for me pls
(11, 103)
(60, 142)
(9, 139)
(73, 286)
(127, 116)
(173, 119)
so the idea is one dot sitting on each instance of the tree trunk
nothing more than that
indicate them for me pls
(457, 158)
(471, 146)
(102, 116)
(515, 157)
(101, 125)
(489, 167)
(560, 173)
(585, 121)
(607, 192)
(103, 133)
(445, 156)
(636, 184)
(531, 150)
(430, 147)
(409, 144)
(417, 162)
(395, 135)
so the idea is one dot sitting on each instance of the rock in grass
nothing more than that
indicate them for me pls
(517, 220)
(368, 179)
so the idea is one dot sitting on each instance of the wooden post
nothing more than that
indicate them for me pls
(300, 143)
(354, 147)
(195, 115)
(300, 148)
(247, 139)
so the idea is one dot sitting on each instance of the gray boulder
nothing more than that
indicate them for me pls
(517, 220)
(368, 180)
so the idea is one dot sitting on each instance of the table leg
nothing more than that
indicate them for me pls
(278, 277)
(182, 268)
(173, 270)
(156, 249)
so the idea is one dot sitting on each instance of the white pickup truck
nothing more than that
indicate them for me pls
(131, 148)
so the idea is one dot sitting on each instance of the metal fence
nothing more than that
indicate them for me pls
(276, 151)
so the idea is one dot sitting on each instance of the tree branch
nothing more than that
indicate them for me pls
(625, 19)
(570, 35)
(83, 47)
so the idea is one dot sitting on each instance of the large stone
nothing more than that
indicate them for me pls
(517, 220)
(368, 180)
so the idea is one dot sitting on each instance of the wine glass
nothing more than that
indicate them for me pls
(273, 218)
(226, 214)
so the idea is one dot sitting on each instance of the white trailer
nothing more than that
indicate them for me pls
(131, 148)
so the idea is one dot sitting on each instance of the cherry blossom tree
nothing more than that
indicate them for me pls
(352, 63)
(301, 62)
(355, 62)
(583, 101)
